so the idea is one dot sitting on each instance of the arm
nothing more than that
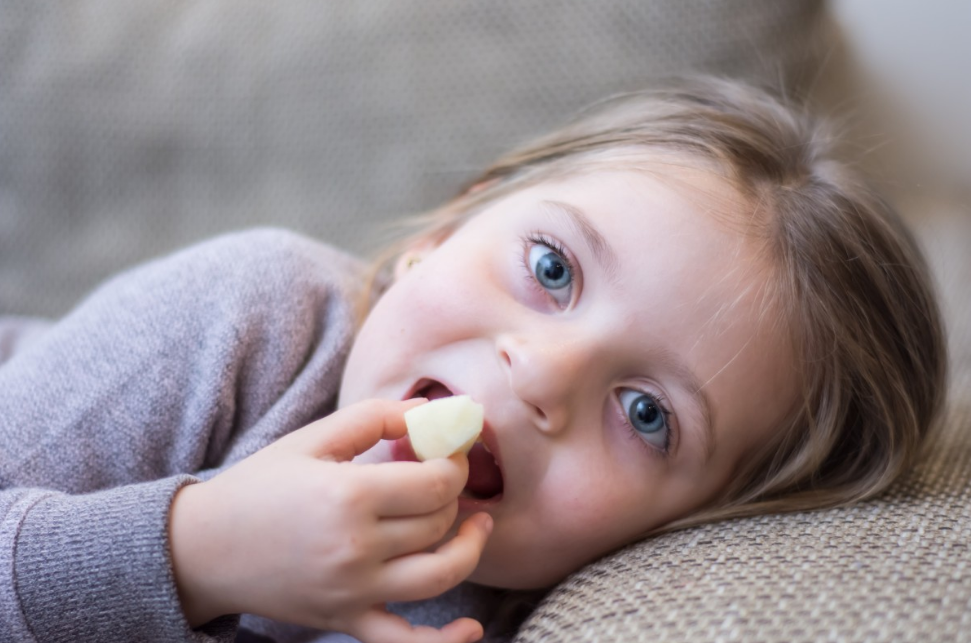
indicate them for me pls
(182, 366)
(92, 567)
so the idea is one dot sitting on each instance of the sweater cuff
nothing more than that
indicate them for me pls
(97, 567)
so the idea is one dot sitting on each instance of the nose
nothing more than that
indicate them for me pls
(546, 375)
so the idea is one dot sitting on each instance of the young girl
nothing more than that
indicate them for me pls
(680, 308)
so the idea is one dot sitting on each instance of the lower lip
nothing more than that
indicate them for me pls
(472, 505)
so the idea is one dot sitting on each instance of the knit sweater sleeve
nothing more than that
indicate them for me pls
(164, 375)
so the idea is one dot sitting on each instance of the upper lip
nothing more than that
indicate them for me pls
(488, 436)
(419, 385)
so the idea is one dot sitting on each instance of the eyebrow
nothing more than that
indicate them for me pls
(598, 245)
(607, 259)
(700, 396)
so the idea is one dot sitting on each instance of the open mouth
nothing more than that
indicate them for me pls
(485, 475)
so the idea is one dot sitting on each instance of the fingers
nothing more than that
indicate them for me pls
(353, 430)
(379, 626)
(421, 576)
(417, 488)
(400, 536)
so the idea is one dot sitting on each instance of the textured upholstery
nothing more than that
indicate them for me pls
(131, 128)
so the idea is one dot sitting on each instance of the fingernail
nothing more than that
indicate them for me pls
(487, 524)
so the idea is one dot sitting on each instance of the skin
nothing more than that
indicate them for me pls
(578, 481)
(324, 526)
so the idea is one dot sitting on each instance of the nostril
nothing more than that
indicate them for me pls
(540, 415)
(504, 356)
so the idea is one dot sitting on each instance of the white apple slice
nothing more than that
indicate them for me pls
(439, 428)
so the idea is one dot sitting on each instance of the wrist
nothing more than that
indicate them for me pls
(195, 565)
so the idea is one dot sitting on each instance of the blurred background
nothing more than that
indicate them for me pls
(128, 129)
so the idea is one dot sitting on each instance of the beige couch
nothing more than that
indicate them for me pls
(129, 129)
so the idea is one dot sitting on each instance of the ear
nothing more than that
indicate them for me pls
(416, 251)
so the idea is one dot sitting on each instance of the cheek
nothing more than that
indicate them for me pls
(571, 522)
(452, 296)
(426, 310)
(609, 492)
(383, 349)
(595, 510)
(413, 312)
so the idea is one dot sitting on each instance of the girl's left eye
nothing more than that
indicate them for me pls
(647, 418)
(552, 271)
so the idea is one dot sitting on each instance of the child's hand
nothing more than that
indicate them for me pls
(298, 533)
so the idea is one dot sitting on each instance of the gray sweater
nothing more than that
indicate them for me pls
(164, 376)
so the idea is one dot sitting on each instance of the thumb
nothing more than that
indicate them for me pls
(353, 430)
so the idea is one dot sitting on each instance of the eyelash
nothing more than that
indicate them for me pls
(633, 434)
(538, 238)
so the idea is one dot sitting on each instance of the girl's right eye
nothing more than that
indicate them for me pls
(647, 418)
(552, 271)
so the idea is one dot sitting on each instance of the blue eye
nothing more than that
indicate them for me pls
(646, 417)
(552, 271)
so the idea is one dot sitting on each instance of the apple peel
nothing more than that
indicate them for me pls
(445, 426)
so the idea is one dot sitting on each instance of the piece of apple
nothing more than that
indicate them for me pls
(439, 428)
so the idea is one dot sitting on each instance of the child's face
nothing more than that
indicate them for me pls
(604, 321)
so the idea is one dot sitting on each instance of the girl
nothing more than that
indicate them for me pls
(680, 308)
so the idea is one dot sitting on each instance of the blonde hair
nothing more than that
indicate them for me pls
(850, 284)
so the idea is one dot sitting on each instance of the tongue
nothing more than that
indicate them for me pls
(485, 479)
